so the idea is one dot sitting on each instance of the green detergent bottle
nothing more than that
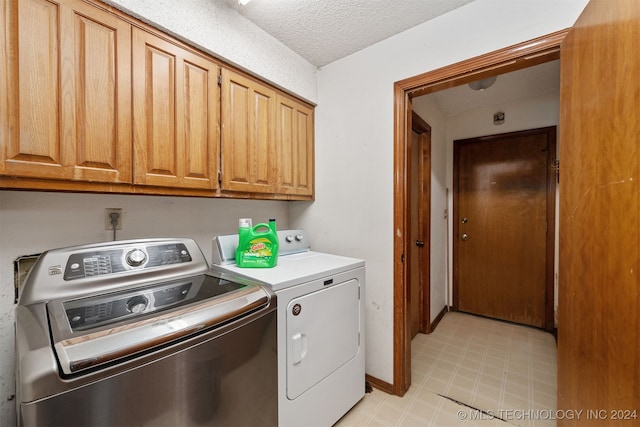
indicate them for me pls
(257, 245)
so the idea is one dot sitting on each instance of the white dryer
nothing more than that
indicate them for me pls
(320, 326)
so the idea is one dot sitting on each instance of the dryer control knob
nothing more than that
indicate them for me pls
(136, 257)
(289, 238)
(299, 237)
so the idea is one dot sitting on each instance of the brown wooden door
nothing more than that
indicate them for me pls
(501, 230)
(68, 79)
(175, 98)
(599, 288)
(419, 170)
(416, 226)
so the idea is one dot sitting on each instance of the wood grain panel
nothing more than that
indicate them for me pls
(248, 134)
(96, 80)
(286, 145)
(160, 101)
(69, 73)
(419, 257)
(303, 168)
(196, 131)
(263, 148)
(294, 144)
(98, 138)
(175, 115)
(237, 131)
(599, 289)
(37, 137)
(500, 204)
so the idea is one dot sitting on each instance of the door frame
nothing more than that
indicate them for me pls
(512, 58)
(551, 133)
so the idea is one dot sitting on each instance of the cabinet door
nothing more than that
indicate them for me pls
(295, 148)
(175, 102)
(248, 135)
(66, 79)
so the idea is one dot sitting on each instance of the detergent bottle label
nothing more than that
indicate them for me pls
(257, 246)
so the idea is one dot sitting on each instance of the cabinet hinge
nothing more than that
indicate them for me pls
(219, 80)
(555, 166)
(402, 258)
(219, 177)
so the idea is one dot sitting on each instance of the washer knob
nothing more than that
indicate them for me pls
(137, 304)
(299, 237)
(289, 238)
(136, 257)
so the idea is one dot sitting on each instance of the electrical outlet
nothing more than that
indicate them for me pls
(107, 218)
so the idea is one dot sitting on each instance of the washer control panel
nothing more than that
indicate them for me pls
(105, 309)
(110, 261)
(94, 311)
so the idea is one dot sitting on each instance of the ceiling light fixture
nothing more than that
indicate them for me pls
(483, 84)
(243, 2)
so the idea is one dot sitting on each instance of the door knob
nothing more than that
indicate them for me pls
(419, 243)
(464, 236)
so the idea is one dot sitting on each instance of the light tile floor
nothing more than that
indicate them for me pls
(471, 371)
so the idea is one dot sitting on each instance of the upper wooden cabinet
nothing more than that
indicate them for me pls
(175, 115)
(248, 134)
(295, 164)
(94, 100)
(267, 140)
(65, 92)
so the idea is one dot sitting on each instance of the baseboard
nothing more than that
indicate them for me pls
(438, 318)
(379, 384)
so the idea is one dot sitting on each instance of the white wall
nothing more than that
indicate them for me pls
(31, 222)
(213, 26)
(353, 211)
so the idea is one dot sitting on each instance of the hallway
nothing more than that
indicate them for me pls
(471, 371)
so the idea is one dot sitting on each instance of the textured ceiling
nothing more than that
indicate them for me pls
(322, 31)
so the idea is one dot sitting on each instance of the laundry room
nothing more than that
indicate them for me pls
(322, 157)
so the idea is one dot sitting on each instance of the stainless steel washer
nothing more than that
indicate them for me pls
(142, 333)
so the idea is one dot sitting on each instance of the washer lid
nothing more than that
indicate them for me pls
(294, 269)
(95, 330)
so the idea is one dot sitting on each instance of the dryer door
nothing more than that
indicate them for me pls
(323, 333)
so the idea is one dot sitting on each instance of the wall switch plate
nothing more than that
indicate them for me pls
(107, 218)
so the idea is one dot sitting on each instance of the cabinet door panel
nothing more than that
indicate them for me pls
(248, 144)
(200, 160)
(158, 106)
(175, 115)
(101, 113)
(67, 68)
(295, 148)
(34, 137)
